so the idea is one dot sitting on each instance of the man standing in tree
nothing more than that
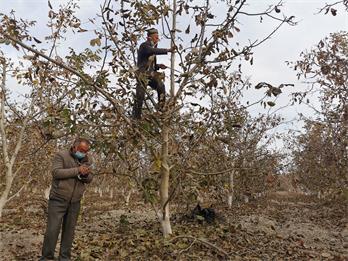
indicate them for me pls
(71, 170)
(147, 71)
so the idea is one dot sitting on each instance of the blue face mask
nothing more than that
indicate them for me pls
(80, 155)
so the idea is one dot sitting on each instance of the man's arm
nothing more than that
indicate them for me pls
(149, 50)
(58, 170)
(160, 66)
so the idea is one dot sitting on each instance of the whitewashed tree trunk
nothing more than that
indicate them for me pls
(6, 192)
(127, 196)
(3, 136)
(47, 192)
(166, 226)
(200, 198)
(9, 161)
(231, 189)
(164, 214)
(246, 198)
(319, 195)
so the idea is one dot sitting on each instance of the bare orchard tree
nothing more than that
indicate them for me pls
(13, 130)
(104, 73)
(320, 153)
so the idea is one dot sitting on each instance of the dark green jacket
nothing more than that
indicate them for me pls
(65, 183)
(145, 52)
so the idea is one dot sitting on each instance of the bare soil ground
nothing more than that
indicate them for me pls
(282, 227)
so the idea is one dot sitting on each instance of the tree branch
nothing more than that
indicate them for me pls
(14, 195)
(216, 173)
(108, 96)
(2, 113)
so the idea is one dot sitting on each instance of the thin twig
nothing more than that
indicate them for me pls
(205, 242)
(14, 195)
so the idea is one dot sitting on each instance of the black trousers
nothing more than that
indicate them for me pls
(155, 83)
(62, 215)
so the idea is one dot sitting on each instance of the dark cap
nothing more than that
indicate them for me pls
(152, 31)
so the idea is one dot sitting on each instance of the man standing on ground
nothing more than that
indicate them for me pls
(71, 170)
(147, 72)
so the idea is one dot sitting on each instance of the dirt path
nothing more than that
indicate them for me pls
(284, 227)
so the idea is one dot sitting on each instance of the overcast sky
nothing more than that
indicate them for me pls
(269, 58)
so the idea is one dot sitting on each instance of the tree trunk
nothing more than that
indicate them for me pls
(6, 192)
(164, 186)
(6, 160)
(231, 189)
(164, 215)
(127, 195)
(47, 192)
(2, 204)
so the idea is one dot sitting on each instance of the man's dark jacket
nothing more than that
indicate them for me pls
(65, 182)
(145, 53)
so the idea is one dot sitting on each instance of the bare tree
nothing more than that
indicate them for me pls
(320, 153)
(204, 64)
(11, 145)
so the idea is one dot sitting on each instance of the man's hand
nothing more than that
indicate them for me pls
(172, 49)
(84, 170)
(162, 66)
